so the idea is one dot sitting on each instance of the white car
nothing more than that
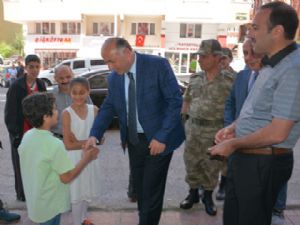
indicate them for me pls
(78, 66)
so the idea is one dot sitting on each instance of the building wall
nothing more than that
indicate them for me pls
(8, 29)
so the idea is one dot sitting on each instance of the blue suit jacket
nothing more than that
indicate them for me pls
(158, 103)
(237, 97)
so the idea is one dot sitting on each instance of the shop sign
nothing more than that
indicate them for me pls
(53, 40)
(184, 47)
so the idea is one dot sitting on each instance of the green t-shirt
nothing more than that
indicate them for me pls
(43, 158)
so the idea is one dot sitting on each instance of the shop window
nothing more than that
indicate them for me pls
(45, 28)
(143, 28)
(70, 28)
(190, 30)
(103, 28)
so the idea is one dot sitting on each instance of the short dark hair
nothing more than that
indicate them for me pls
(284, 15)
(32, 58)
(36, 106)
(80, 80)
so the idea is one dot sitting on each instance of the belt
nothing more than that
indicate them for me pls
(60, 136)
(266, 151)
(203, 122)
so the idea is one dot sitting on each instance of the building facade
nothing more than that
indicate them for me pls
(62, 29)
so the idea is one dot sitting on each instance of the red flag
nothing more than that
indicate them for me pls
(139, 40)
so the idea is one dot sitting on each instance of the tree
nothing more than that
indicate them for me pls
(18, 44)
(6, 50)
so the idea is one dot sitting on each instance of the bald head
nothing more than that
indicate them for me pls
(118, 54)
(63, 75)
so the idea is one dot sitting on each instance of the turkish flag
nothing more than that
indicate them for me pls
(139, 40)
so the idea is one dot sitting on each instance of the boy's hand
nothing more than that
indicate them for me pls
(90, 153)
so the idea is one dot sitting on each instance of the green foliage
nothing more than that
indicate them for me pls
(16, 48)
(6, 50)
(18, 44)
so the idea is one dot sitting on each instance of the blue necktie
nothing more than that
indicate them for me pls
(252, 80)
(132, 121)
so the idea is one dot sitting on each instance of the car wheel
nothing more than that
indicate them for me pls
(47, 83)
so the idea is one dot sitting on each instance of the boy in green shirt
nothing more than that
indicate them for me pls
(45, 167)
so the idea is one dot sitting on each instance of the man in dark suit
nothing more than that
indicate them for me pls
(144, 93)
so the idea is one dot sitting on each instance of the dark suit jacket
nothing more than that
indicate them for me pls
(158, 103)
(238, 95)
(14, 118)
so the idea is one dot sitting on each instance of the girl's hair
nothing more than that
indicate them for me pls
(80, 80)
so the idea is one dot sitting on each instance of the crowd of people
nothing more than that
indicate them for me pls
(239, 128)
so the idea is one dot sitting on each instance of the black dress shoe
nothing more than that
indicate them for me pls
(210, 207)
(190, 200)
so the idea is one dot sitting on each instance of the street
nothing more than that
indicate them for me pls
(114, 175)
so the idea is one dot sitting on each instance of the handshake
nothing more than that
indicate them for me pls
(90, 153)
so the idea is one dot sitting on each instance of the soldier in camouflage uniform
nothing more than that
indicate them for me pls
(204, 101)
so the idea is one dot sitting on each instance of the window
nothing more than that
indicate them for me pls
(190, 30)
(78, 64)
(70, 28)
(45, 28)
(103, 28)
(143, 28)
(99, 81)
(97, 62)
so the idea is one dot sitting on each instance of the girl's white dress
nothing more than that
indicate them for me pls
(86, 186)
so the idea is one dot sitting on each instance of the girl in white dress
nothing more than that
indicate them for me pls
(77, 121)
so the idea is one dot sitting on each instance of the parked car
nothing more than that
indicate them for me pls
(99, 85)
(78, 66)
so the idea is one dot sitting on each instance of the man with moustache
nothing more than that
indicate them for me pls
(261, 140)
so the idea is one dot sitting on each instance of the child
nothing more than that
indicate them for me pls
(45, 166)
(77, 120)
(15, 122)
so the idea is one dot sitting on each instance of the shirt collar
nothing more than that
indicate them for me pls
(133, 66)
(275, 59)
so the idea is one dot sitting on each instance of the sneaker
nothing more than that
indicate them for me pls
(87, 222)
(277, 217)
(8, 217)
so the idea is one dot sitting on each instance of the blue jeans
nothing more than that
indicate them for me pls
(54, 221)
(281, 198)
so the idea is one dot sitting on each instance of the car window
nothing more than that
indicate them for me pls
(67, 64)
(98, 81)
(97, 62)
(78, 64)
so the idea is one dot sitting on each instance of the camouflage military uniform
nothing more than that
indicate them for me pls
(206, 114)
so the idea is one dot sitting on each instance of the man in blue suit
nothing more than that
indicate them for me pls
(144, 93)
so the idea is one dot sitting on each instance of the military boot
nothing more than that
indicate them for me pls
(221, 192)
(188, 202)
(207, 200)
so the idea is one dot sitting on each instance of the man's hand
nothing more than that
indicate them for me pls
(91, 142)
(156, 147)
(225, 133)
(223, 149)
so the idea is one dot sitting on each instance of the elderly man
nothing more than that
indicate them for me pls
(261, 140)
(144, 93)
(204, 102)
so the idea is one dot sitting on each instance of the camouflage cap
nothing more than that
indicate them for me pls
(227, 52)
(210, 46)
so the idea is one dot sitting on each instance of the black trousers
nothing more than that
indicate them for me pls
(149, 176)
(16, 166)
(253, 183)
